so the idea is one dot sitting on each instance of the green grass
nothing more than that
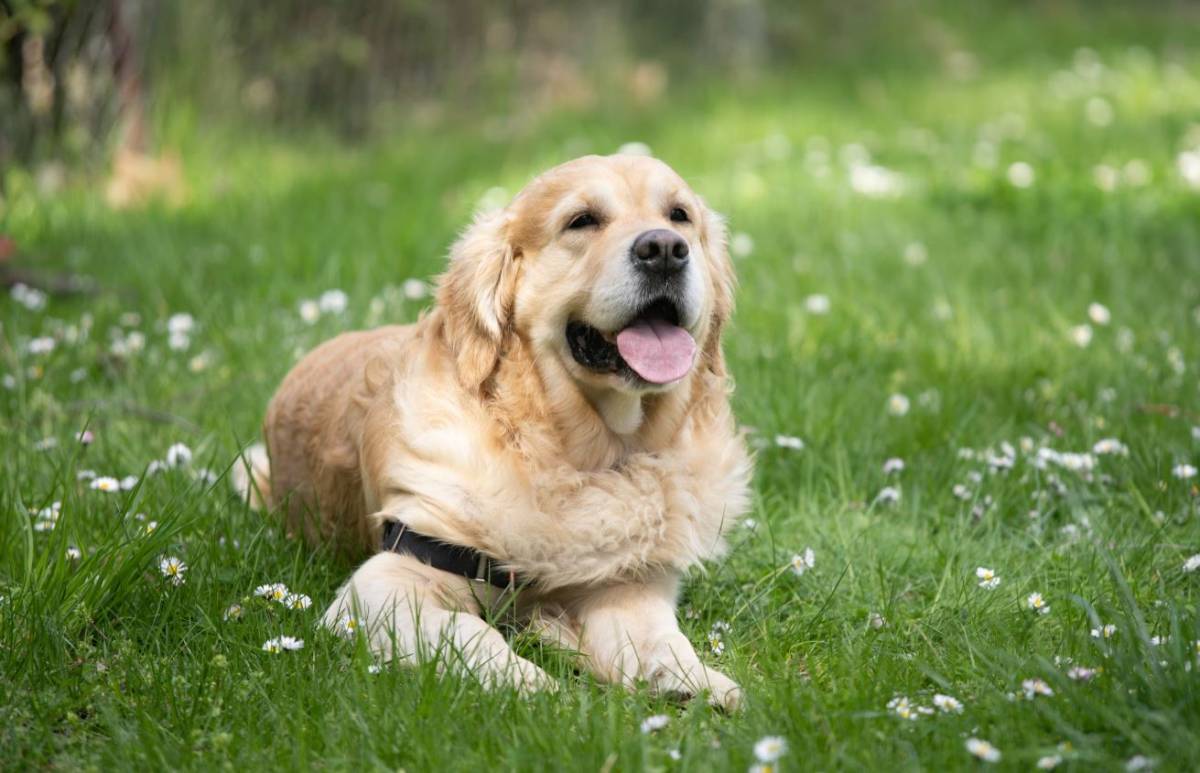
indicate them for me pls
(107, 666)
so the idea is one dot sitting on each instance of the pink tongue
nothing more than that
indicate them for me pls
(656, 350)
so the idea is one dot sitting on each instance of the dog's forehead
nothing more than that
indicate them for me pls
(613, 178)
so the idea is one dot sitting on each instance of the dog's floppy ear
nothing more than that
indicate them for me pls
(476, 295)
(714, 236)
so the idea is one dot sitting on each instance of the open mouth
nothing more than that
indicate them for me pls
(651, 347)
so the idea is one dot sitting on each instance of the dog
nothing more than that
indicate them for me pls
(561, 415)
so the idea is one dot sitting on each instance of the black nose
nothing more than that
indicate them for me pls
(660, 252)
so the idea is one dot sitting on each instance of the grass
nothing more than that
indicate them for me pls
(108, 666)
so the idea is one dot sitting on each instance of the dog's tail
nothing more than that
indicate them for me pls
(251, 476)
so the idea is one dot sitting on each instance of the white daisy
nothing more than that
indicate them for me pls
(898, 404)
(1035, 687)
(802, 562)
(234, 612)
(1192, 564)
(178, 455)
(716, 642)
(374, 668)
(415, 289)
(1082, 674)
(960, 491)
(333, 301)
(1036, 603)
(817, 304)
(1183, 471)
(297, 601)
(42, 345)
(348, 625)
(1049, 762)
(983, 750)
(789, 441)
(741, 245)
(988, 579)
(948, 704)
(181, 323)
(173, 569)
(310, 311)
(106, 484)
(893, 465)
(273, 592)
(1104, 632)
(655, 723)
(770, 748)
(888, 495)
(1109, 446)
(1020, 174)
(1099, 313)
(74, 553)
(903, 708)
(1080, 335)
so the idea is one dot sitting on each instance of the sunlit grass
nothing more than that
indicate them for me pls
(959, 291)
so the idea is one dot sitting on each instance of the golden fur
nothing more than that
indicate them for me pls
(475, 426)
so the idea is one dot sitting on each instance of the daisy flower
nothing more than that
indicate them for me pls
(770, 748)
(273, 592)
(348, 625)
(106, 484)
(234, 612)
(1080, 335)
(716, 643)
(888, 495)
(1035, 687)
(1036, 603)
(903, 708)
(85, 437)
(310, 311)
(948, 704)
(173, 569)
(74, 553)
(789, 441)
(988, 579)
(741, 245)
(960, 491)
(281, 644)
(1082, 674)
(415, 289)
(374, 668)
(1105, 632)
(178, 455)
(898, 404)
(1020, 175)
(333, 302)
(802, 562)
(983, 750)
(1183, 471)
(893, 465)
(1049, 762)
(655, 723)
(1110, 446)
(1192, 564)
(817, 304)
(297, 601)
(42, 345)
(1099, 314)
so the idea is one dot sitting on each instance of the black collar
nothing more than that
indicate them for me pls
(456, 559)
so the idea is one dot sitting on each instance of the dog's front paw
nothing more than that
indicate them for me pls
(723, 692)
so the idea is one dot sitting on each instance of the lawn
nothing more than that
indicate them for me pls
(989, 272)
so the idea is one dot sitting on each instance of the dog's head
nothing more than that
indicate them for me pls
(611, 268)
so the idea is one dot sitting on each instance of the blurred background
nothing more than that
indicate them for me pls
(98, 82)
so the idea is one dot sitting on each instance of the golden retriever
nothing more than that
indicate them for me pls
(562, 409)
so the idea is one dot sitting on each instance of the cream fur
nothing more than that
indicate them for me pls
(476, 426)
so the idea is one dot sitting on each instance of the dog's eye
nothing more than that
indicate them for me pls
(582, 220)
(679, 215)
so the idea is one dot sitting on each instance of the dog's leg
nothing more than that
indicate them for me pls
(411, 614)
(629, 633)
